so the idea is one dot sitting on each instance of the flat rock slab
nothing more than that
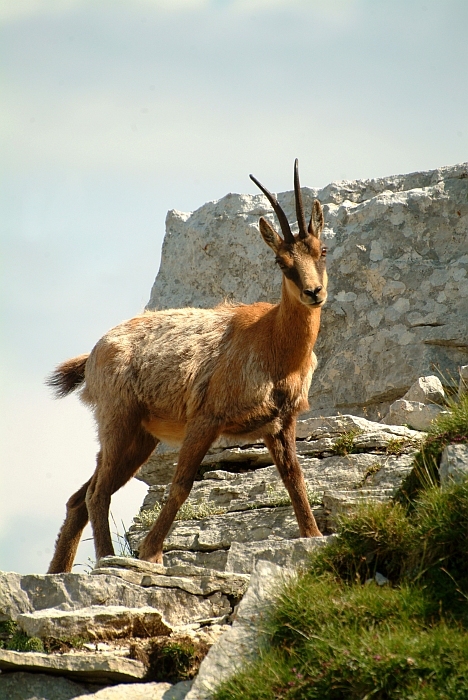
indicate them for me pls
(95, 622)
(143, 691)
(26, 593)
(39, 686)
(243, 557)
(219, 531)
(193, 579)
(90, 667)
(263, 487)
(315, 437)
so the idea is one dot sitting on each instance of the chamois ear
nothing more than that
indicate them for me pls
(316, 220)
(269, 234)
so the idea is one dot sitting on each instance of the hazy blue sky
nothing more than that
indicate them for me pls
(114, 111)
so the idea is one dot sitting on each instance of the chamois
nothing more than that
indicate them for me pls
(188, 376)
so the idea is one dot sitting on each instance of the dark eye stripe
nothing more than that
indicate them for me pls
(292, 274)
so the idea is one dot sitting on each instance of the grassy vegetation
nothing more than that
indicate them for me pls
(13, 638)
(170, 660)
(451, 427)
(344, 445)
(188, 511)
(334, 633)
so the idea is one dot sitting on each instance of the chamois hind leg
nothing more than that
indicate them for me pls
(123, 452)
(131, 451)
(198, 439)
(70, 533)
(282, 447)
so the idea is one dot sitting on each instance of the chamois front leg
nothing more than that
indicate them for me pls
(198, 439)
(282, 447)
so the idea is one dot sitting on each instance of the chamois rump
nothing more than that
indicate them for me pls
(188, 376)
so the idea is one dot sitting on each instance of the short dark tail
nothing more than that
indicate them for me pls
(68, 376)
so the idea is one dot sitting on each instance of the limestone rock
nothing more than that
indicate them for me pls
(398, 290)
(454, 464)
(426, 390)
(95, 622)
(26, 593)
(239, 643)
(143, 691)
(193, 579)
(463, 384)
(316, 436)
(94, 668)
(218, 531)
(285, 553)
(417, 415)
(39, 686)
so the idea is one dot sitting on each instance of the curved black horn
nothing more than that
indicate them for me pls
(284, 223)
(299, 206)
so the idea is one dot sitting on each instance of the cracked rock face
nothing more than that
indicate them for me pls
(398, 270)
(233, 518)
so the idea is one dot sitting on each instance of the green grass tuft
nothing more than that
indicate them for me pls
(344, 445)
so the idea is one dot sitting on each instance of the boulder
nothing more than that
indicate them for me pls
(398, 290)
(426, 390)
(418, 415)
(454, 464)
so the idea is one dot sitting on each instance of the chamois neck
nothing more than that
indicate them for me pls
(297, 327)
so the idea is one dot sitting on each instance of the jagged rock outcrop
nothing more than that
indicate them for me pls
(240, 503)
(398, 291)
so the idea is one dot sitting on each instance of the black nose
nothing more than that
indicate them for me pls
(313, 292)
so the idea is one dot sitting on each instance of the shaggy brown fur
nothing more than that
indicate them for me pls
(187, 376)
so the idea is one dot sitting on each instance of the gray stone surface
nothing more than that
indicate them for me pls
(39, 686)
(285, 553)
(316, 436)
(95, 622)
(463, 383)
(454, 464)
(426, 390)
(26, 593)
(239, 643)
(134, 691)
(398, 291)
(84, 666)
(418, 415)
(218, 531)
(193, 579)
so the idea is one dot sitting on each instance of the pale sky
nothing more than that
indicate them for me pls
(115, 111)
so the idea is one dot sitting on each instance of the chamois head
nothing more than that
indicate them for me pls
(302, 257)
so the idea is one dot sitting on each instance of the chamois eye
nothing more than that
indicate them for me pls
(280, 262)
(324, 252)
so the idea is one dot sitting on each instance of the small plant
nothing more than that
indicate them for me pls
(188, 511)
(13, 638)
(344, 445)
(370, 471)
(54, 645)
(395, 446)
(170, 660)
